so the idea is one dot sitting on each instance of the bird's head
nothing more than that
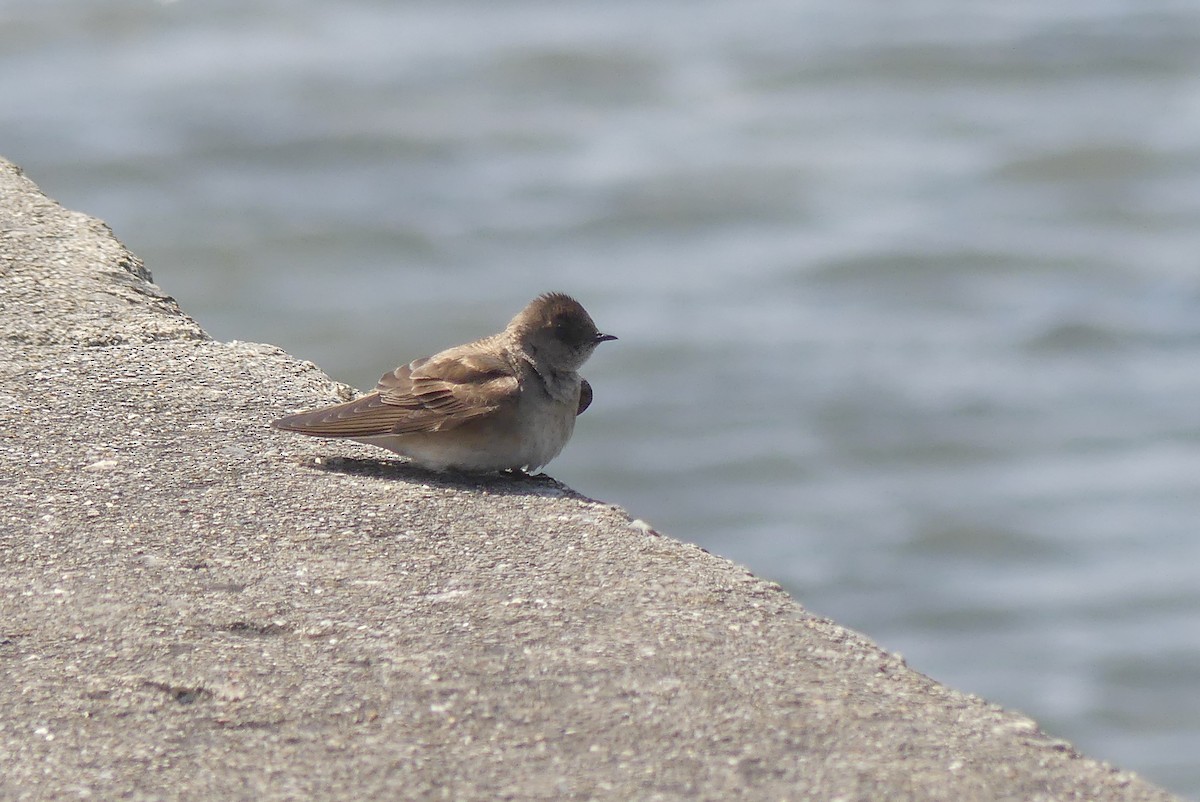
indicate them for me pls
(556, 330)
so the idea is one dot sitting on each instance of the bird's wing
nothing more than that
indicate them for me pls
(426, 395)
(585, 396)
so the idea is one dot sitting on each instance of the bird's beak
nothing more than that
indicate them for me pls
(604, 337)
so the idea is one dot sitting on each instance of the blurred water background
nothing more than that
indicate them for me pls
(908, 292)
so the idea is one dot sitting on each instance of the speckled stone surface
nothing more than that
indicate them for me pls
(195, 606)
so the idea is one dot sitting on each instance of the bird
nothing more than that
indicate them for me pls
(506, 402)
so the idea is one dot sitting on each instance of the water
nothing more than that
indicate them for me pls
(908, 293)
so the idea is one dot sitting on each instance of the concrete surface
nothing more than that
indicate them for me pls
(195, 606)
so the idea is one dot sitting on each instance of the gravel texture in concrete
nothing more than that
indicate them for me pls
(195, 606)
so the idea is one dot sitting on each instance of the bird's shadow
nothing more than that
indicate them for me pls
(505, 483)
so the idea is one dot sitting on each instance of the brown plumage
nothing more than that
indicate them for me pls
(504, 401)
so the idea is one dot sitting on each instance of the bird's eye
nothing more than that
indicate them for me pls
(568, 330)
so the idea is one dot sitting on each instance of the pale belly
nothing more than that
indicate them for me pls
(528, 439)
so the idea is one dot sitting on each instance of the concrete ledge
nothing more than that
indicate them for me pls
(193, 606)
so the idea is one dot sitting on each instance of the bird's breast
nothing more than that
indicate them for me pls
(547, 421)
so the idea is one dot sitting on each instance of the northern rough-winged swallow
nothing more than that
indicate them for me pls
(507, 401)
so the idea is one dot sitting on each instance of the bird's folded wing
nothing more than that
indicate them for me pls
(585, 396)
(426, 395)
